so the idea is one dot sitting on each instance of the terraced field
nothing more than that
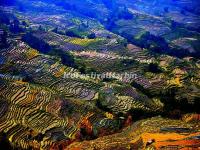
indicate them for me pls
(99, 75)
